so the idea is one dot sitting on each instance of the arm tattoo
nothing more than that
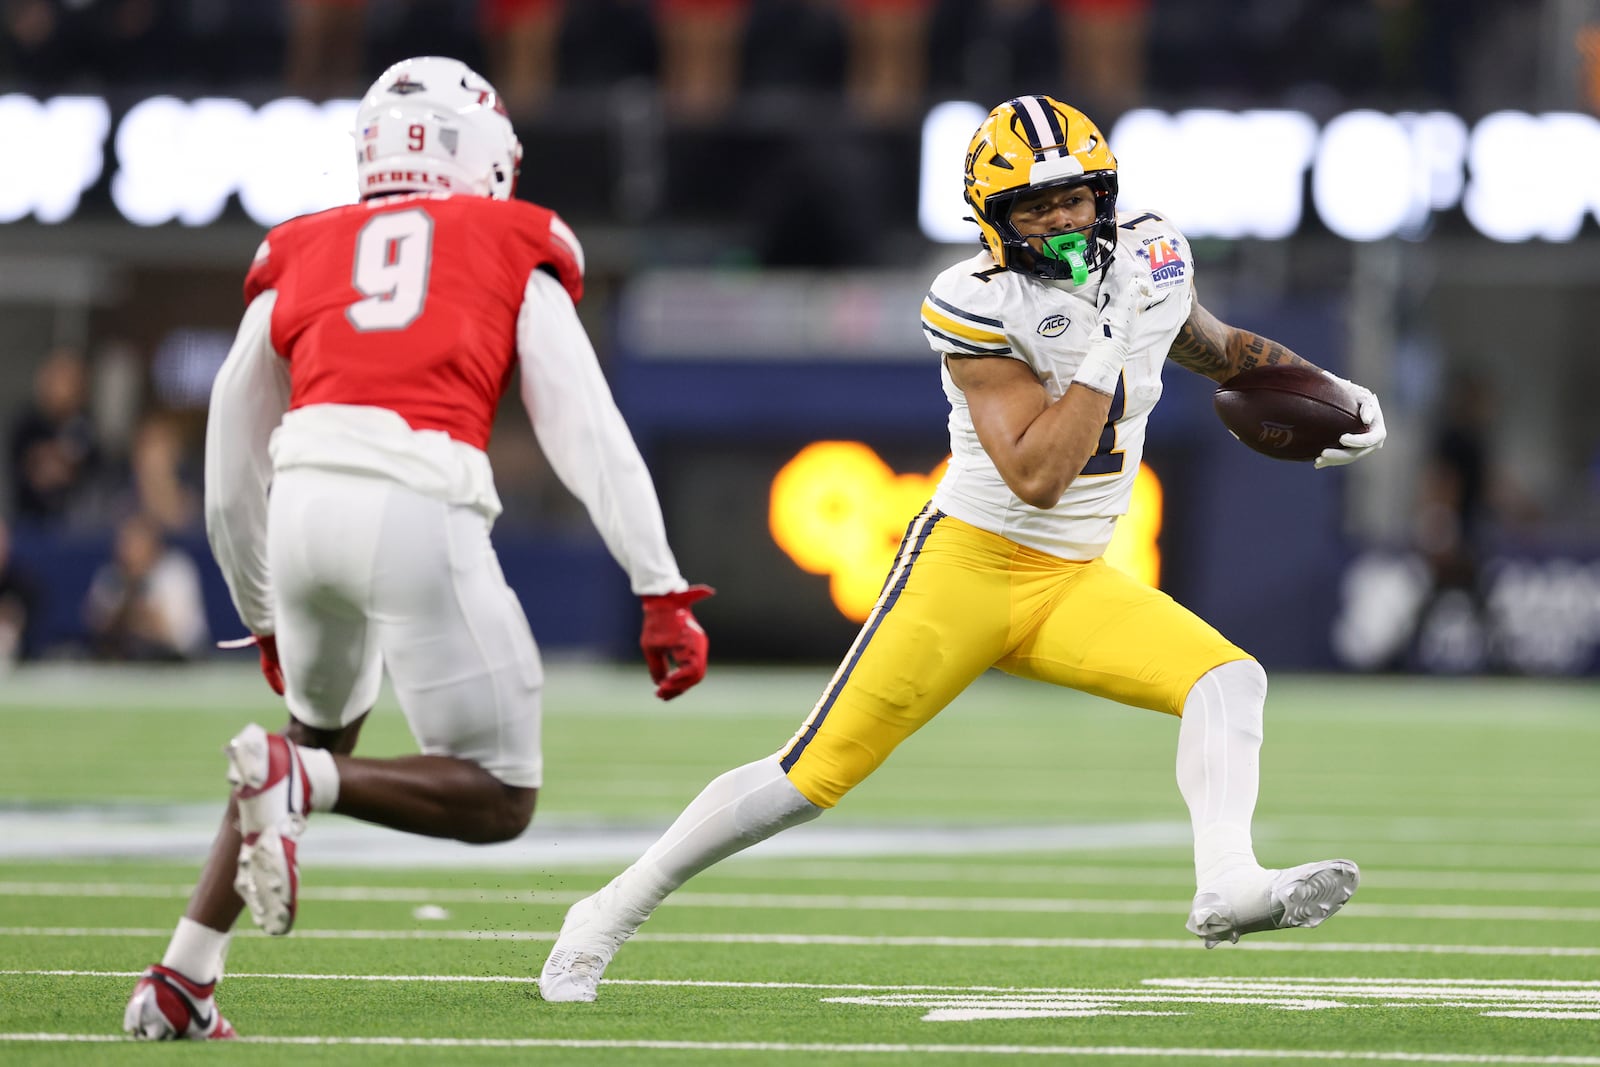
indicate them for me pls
(1201, 345)
(1263, 351)
(1219, 351)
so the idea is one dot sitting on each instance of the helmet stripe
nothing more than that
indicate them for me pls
(1043, 126)
(1029, 129)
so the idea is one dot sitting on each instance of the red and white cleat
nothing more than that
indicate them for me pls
(166, 1006)
(273, 797)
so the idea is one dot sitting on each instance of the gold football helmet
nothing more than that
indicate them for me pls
(1033, 143)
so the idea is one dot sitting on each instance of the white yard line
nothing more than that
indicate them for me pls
(1554, 1001)
(162, 831)
(174, 832)
(1435, 989)
(818, 902)
(862, 941)
(1058, 1051)
(1068, 873)
(147, 830)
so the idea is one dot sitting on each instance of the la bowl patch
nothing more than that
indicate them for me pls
(1167, 265)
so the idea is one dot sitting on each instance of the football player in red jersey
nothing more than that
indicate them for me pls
(378, 340)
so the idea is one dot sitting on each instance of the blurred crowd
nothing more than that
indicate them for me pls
(886, 57)
(103, 553)
(132, 503)
(99, 458)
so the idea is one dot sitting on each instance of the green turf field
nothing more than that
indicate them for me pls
(1012, 886)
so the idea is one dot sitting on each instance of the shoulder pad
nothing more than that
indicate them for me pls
(546, 240)
(964, 311)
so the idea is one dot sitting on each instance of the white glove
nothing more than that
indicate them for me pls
(1127, 287)
(1357, 445)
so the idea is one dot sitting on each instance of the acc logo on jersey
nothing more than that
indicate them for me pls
(1054, 326)
(1167, 266)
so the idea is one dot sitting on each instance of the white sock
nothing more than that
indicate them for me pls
(742, 807)
(197, 952)
(1219, 774)
(323, 774)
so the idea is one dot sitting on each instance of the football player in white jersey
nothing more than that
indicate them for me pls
(1051, 342)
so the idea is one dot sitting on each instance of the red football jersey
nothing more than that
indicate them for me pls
(409, 303)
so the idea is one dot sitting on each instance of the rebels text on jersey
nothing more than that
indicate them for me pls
(410, 303)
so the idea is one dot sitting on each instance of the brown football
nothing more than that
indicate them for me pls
(1288, 412)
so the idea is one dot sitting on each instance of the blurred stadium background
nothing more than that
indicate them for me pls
(1405, 191)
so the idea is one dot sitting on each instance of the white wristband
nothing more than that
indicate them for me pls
(1102, 366)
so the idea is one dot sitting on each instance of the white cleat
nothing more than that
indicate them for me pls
(273, 796)
(1302, 896)
(268, 879)
(590, 936)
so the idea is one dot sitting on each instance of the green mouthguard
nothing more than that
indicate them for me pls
(1069, 248)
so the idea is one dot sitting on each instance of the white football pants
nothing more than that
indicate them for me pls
(367, 573)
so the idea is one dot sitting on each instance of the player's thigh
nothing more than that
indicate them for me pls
(322, 537)
(941, 621)
(1111, 635)
(457, 645)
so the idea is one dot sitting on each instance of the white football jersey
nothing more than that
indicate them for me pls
(977, 308)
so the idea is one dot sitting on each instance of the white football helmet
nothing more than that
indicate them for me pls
(434, 124)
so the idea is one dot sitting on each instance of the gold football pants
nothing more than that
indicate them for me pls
(959, 600)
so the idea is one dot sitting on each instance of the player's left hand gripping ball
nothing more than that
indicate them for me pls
(1356, 445)
(674, 644)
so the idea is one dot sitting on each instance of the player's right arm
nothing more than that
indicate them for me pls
(248, 400)
(1040, 445)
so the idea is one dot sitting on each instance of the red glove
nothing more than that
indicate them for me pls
(268, 646)
(674, 644)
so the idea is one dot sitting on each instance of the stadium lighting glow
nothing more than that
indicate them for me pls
(1215, 173)
(838, 509)
(305, 160)
(1188, 166)
(54, 151)
(1533, 175)
(1353, 186)
(1439, 144)
(1135, 548)
(180, 160)
(1372, 176)
(946, 132)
